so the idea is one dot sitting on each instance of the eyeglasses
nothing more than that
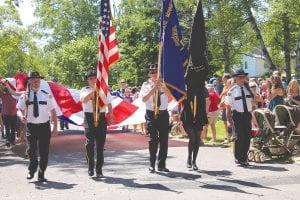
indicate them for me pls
(253, 87)
(241, 76)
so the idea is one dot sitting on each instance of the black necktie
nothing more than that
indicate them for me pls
(244, 100)
(157, 103)
(35, 106)
(158, 99)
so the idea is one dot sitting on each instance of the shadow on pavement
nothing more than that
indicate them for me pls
(181, 175)
(222, 173)
(267, 167)
(246, 183)
(131, 184)
(227, 188)
(9, 162)
(52, 185)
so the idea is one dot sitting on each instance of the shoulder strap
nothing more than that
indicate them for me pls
(43, 91)
(249, 90)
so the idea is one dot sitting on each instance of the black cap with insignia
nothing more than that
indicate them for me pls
(34, 74)
(90, 73)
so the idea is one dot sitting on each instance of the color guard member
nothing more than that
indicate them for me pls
(34, 109)
(158, 126)
(92, 133)
(239, 107)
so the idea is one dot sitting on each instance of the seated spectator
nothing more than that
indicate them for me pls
(293, 98)
(293, 92)
(258, 100)
(276, 94)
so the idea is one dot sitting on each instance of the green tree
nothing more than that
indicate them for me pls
(74, 59)
(62, 21)
(138, 34)
(282, 31)
(17, 50)
(230, 36)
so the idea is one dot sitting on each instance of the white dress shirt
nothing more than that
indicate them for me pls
(45, 104)
(88, 106)
(146, 87)
(234, 99)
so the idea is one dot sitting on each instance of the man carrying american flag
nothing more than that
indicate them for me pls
(96, 97)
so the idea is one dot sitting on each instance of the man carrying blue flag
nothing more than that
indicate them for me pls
(171, 61)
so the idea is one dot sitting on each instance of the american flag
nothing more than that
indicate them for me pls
(108, 51)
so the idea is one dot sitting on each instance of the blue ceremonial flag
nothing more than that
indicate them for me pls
(174, 55)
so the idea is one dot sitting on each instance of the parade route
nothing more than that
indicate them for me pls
(127, 177)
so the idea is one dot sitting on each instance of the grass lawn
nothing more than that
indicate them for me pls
(221, 132)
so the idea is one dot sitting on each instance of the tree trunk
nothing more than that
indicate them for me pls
(226, 54)
(258, 35)
(297, 69)
(286, 45)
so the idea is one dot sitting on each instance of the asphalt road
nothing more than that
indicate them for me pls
(126, 175)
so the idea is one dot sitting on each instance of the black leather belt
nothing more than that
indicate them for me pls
(159, 111)
(40, 124)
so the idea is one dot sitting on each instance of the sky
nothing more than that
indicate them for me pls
(26, 10)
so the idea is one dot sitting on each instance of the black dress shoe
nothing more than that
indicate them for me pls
(163, 169)
(30, 175)
(99, 174)
(41, 177)
(151, 169)
(189, 163)
(245, 164)
(91, 172)
(195, 167)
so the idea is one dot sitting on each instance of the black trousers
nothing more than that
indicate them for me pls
(93, 134)
(194, 141)
(159, 134)
(10, 127)
(242, 126)
(63, 124)
(38, 139)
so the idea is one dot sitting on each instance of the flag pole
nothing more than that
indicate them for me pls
(96, 107)
(156, 94)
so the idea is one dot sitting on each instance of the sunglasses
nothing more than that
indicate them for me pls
(153, 72)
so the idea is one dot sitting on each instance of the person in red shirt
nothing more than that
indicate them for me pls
(213, 113)
(9, 113)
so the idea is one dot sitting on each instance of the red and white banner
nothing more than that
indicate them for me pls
(68, 106)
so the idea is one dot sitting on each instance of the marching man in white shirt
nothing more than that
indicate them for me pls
(94, 133)
(34, 109)
(239, 107)
(158, 126)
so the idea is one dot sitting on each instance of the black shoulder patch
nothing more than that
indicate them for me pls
(43, 91)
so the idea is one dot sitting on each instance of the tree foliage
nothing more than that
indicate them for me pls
(18, 52)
